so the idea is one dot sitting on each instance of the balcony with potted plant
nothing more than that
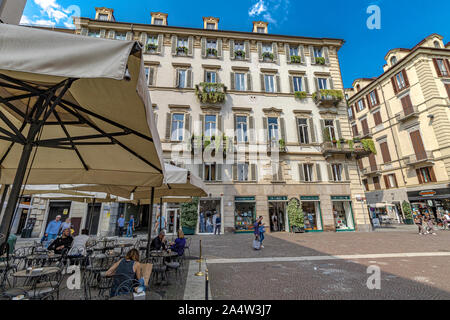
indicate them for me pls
(152, 48)
(327, 98)
(239, 54)
(358, 148)
(268, 56)
(296, 59)
(320, 60)
(211, 92)
(211, 52)
(300, 95)
(182, 51)
(276, 146)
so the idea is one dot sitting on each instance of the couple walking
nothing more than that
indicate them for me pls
(425, 224)
(259, 230)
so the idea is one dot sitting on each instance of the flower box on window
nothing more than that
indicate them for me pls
(239, 54)
(182, 50)
(211, 92)
(328, 98)
(267, 56)
(211, 52)
(301, 95)
(152, 47)
(320, 60)
(296, 59)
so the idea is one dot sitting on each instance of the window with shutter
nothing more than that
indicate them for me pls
(377, 118)
(376, 182)
(418, 146)
(365, 127)
(441, 67)
(386, 182)
(366, 184)
(385, 152)
(407, 105)
(355, 130)
(447, 87)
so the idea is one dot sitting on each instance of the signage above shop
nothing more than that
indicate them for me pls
(427, 193)
(278, 198)
(241, 199)
(336, 198)
(309, 198)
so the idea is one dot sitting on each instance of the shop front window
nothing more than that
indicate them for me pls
(209, 210)
(342, 212)
(244, 214)
(277, 213)
(311, 211)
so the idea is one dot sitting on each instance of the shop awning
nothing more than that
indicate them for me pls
(381, 205)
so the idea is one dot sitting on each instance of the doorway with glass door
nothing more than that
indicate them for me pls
(277, 214)
(172, 218)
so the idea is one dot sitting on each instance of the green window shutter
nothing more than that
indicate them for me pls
(235, 127)
(318, 173)
(288, 53)
(302, 53)
(275, 51)
(291, 84)
(160, 43)
(312, 130)
(330, 172)
(297, 128)
(283, 129)
(220, 124)
(168, 126)
(233, 81)
(151, 77)
(249, 82)
(189, 78)
(338, 128)
(326, 55)
(316, 82)
(203, 47)
(306, 83)
(251, 126)
(259, 45)
(311, 54)
(301, 172)
(235, 175)
(187, 126)
(247, 49)
(253, 176)
(331, 83)
(177, 78)
(202, 121)
(219, 48)
(347, 175)
(191, 46)
(263, 87)
(278, 84)
(232, 56)
(204, 76)
(174, 45)
(143, 39)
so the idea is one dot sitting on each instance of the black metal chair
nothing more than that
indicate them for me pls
(123, 284)
(187, 246)
(159, 269)
(175, 267)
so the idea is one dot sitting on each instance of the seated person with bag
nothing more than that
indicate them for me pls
(61, 243)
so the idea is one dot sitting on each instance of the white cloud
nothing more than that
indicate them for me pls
(257, 9)
(270, 10)
(51, 14)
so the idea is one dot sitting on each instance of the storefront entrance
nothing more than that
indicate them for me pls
(343, 213)
(244, 214)
(312, 212)
(93, 218)
(58, 209)
(278, 214)
(172, 220)
(208, 210)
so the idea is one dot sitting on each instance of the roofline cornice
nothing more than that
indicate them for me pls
(213, 33)
(397, 68)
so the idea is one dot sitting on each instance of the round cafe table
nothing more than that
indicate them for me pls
(33, 277)
(163, 254)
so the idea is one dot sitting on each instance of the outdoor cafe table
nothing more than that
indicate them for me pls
(44, 257)
(33, 277)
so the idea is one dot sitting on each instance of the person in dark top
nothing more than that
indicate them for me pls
(418, 220)
(256, 230)
(159, 243)
(125, 269)
(179, 244)
(218, 224)
(62, 243)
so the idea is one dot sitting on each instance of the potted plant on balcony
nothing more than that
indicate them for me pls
(267, 56)
(282, 145)
(296, 59)
(152, 47)
(211, 92)
(182, 50)
(211, 52)
(320, 60)
(326, 135)
(189, 216)
(369, 145)
(239, 54)
(301, 95)
(407, 212)
(296, 216)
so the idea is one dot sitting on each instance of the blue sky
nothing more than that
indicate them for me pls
(403, 23)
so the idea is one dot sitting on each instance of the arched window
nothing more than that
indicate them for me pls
(358, 87)
(437, 44)
(393, 60)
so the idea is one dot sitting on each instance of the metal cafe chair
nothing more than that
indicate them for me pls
(187, 246)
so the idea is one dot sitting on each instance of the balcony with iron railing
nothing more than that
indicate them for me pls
(211, 92)
(327, 98)
(420, 158)
(357, 149)
(409, 113)
(372, 170)
(366, 133)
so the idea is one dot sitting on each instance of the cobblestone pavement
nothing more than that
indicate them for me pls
(402, 276)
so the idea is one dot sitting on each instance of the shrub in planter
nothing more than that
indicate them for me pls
(369, 145)
(268, 55)
(296, 216)
(152, 47)
(407, 212)
(211, 51)
(189, 216)
(239, 53)
(296, 59)
(300, 95)
(182, 50)
(320, 60)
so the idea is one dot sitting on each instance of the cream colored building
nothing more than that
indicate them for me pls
(11, 10)
(271, 105)
(406, 112)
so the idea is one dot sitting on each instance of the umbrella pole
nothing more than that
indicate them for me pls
(160, 214)
(91, 215)
(5, 227)
(150, 222)
(5, 189)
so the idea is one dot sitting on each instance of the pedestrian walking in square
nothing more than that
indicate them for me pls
(130, 228)
(262, 230)
(418, 220)
(217, 224)
(429, 225)
(121, 225)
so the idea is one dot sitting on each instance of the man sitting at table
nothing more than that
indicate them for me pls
(159, 243)
(61, 243)
(79, 244)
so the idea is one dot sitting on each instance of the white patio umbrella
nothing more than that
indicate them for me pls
(73, 109)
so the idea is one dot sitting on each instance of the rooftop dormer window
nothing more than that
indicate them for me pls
(261, 30)
(437, 44)
(103, 17)
(393, 60)
(158, 22)
(211, 26)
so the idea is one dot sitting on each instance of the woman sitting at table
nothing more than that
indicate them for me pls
(179, 244)
(125, 269)
(62, 243)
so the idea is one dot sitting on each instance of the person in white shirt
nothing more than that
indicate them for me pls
(446, 219)
(79, 244)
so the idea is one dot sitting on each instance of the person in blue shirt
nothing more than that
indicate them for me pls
(160, 224)
(130, 228)
(52, 230)
(179, 244)
(121, 225)
(217, 224)
(262, 230)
